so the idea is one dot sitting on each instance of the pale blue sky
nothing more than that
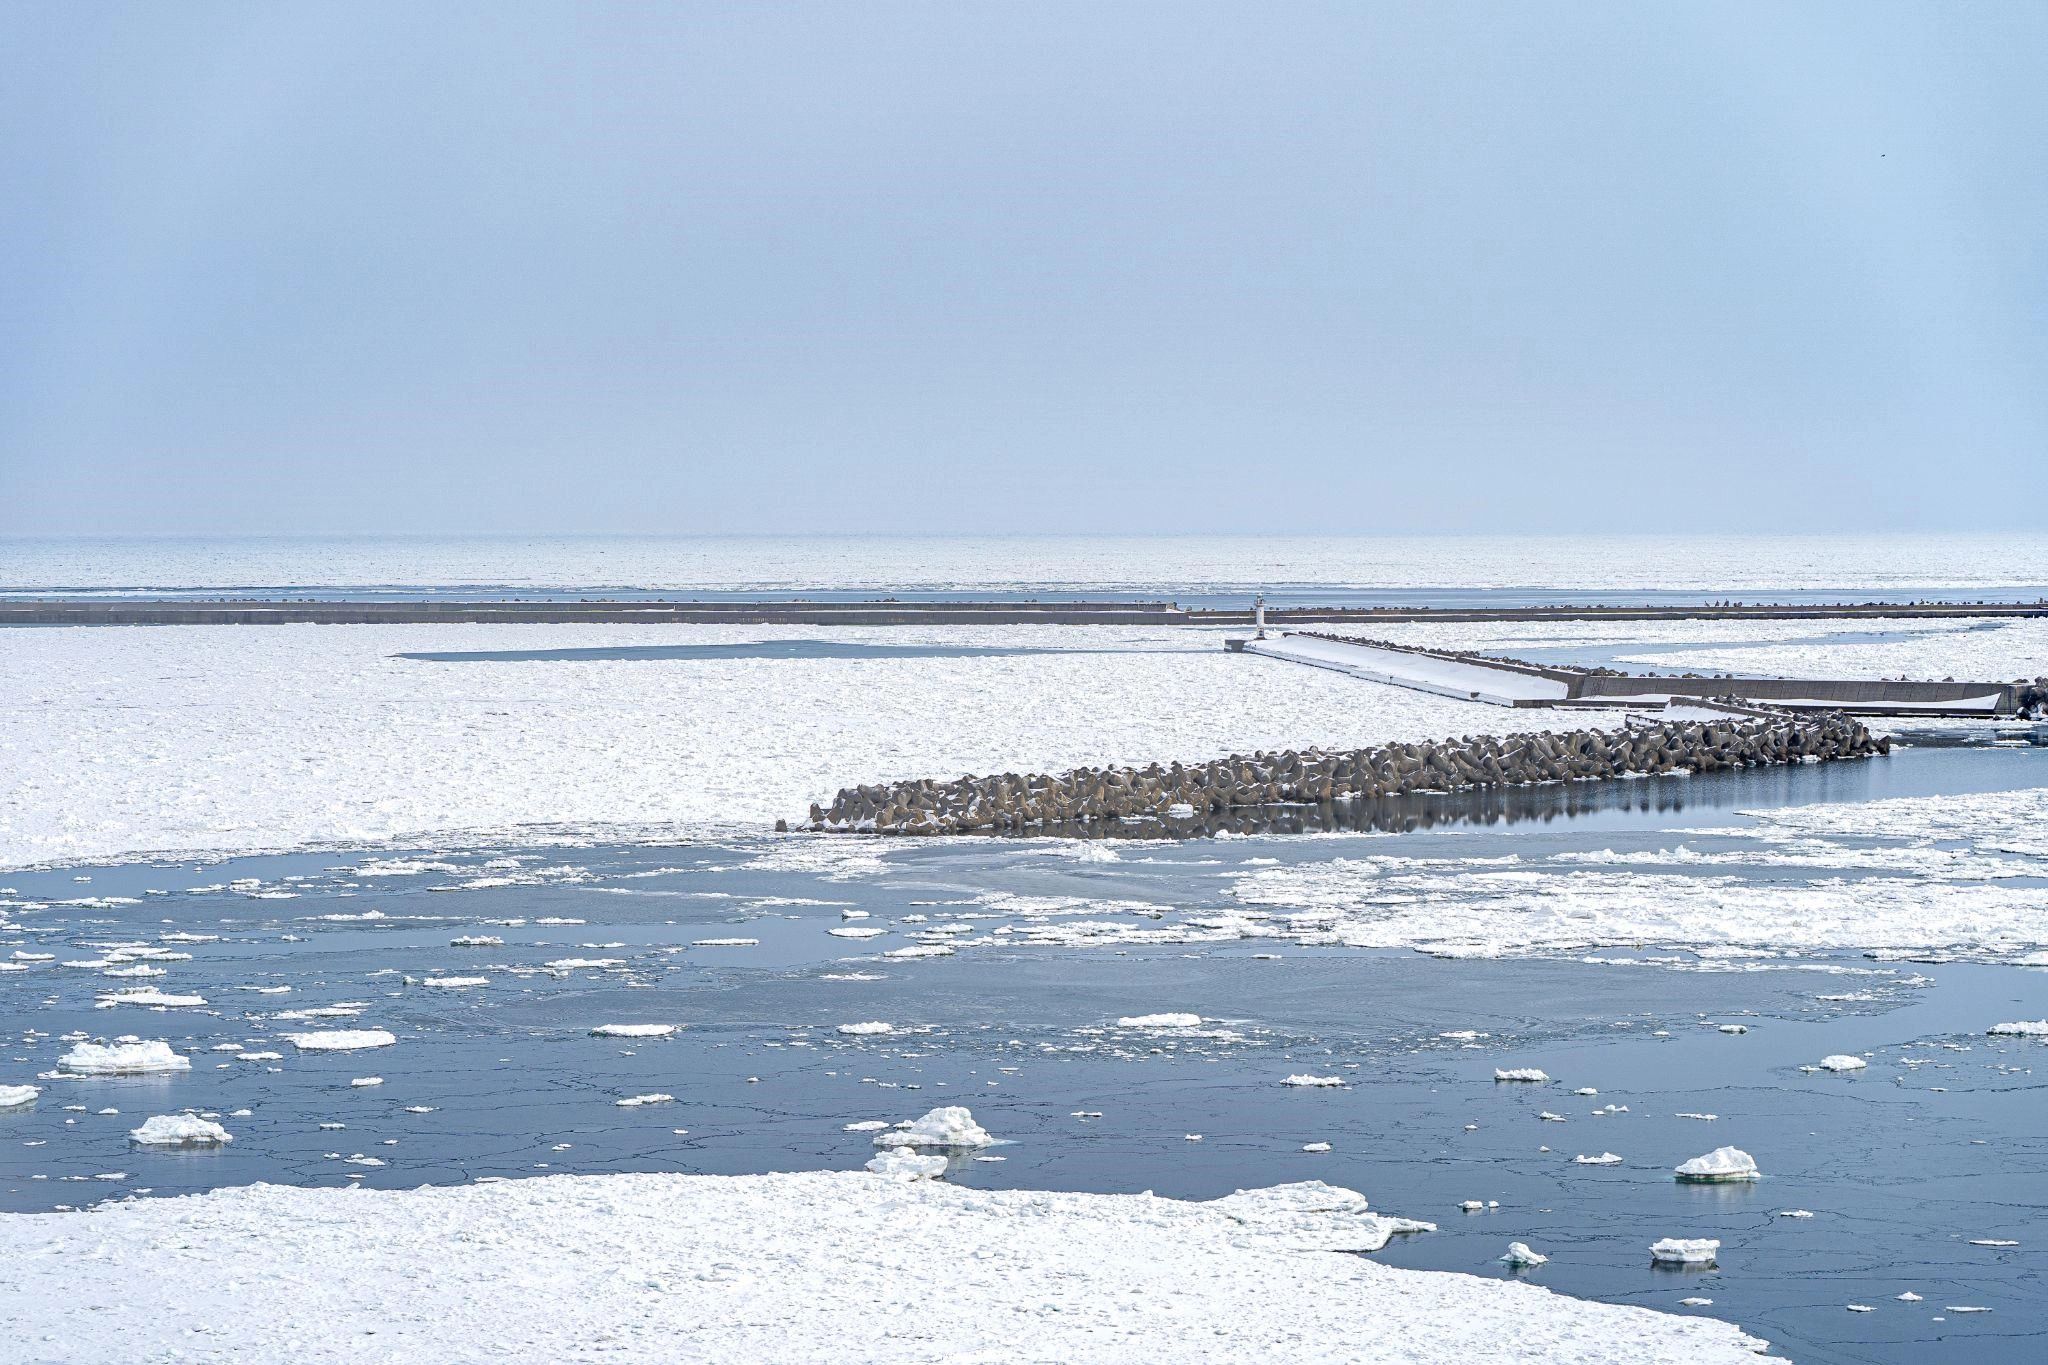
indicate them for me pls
(935, 267)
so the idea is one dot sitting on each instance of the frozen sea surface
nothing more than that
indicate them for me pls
(1196, 570)
(1907, 1166)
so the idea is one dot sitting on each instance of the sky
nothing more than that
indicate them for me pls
(939, 267)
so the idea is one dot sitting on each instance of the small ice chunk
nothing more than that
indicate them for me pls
(635, 1101)
(1723, 1163)
(342, 1040)
(1316, 1147)
(632, 1030)
(2020, 1028)
(1685, 1250)
(1909, 1297)
(1519, 1073)
(1734, 1028)
(947, 1126)
(1706, 1117)
(14, 1096)
(365, 1082)
(1993, 1242)
(1841, 1061)
(864, 1126)
(869, 1029)
(1860, 1308)
(179, 1130)
(1519, 1255)
(725, 942)
(856, 931)
(1604, 1159)
(1304, 1079)
(1159, 1021)
(455, 983)
(1585, 1090)
(1795, 1213)
(1695, 1302)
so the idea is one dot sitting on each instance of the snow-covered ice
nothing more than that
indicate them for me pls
(1519, 1254)
(780, 1267)
(335, 740)
(14, 1096)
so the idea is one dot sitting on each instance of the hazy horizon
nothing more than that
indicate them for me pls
(924, 269)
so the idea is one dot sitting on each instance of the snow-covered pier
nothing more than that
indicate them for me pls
(1179, 792)
(1511, 682)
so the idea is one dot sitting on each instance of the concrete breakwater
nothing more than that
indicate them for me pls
(1008, 801)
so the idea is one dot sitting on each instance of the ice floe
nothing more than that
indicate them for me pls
(1306, 1080)
(868, 1029)
(14, 1096)
(1723, 1163)
(123, 1057)
(947, 1126)
(179, 1130)
(633, 1030)
(342, 1040)
(1686, 1250)
(1604, 1159)
(1518, 1254)
(1519, 1073)
(1841, 1061)
(2020, 1028)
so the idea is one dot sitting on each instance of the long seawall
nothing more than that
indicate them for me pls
(1010, 802)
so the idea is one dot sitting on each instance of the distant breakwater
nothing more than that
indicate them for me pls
(1012, 802)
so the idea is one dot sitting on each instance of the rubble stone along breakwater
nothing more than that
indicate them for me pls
(1008, 801)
